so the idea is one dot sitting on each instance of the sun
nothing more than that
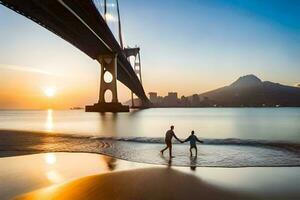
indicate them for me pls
(50, 91)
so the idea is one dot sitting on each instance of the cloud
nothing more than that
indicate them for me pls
(25, 69)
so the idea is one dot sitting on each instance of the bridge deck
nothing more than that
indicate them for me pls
(80, 23)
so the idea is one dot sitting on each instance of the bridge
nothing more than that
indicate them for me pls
(81, 23)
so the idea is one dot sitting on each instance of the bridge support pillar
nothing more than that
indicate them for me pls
(135, 52)
(108, 83)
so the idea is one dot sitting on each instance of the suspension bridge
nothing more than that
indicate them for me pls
(85, 24)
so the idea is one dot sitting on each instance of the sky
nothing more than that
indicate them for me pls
(186, 46)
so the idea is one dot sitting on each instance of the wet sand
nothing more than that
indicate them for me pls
(151, 183)
(89, 176)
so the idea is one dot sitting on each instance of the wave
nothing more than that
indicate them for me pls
(231, 141)
(209, 141)
(229, 152)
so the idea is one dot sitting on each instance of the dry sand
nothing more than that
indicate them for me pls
(148, 183)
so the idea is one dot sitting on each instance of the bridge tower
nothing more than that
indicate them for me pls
(108, 84)
(108, 77)
(135, 52)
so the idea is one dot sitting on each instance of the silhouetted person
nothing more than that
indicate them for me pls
(168, 140)
(193, 139)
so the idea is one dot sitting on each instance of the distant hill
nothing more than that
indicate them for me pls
(249, 90)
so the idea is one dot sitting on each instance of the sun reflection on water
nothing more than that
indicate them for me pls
(49, 120)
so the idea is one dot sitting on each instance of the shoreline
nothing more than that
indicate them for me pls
(226, 155)
(8, 154)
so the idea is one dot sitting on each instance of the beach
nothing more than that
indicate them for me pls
(76, 155)
(150, 183)
(149, 100)
(93, 176)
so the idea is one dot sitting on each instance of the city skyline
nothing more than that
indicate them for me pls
(246, 91)
(195, 47)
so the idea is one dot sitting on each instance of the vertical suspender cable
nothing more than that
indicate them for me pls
(105, 11)
(119, 20)
(140, 68)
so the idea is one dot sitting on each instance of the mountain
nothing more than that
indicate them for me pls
(249, 90)
(247, 81)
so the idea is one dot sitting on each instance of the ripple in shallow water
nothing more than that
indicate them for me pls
(231, 153)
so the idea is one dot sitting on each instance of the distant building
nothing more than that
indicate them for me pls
(171, 99)
(153, 97)
(184, 101)
(160, 99)
(173, 95)
(195, 100)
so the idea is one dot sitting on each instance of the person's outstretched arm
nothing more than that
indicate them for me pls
(187, 139)
(199, 140)
(176, 137)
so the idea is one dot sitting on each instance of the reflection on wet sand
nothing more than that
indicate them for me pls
(26, 173)
(50, 158)
(193, 159)
(111, 162)
(54, 177)
(149, 183)
(52, 173)
(23, 174)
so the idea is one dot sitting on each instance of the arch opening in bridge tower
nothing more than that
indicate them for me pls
(108, 96)
(108, 77)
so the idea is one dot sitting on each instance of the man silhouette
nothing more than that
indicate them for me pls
(193, 139)
(168, 140)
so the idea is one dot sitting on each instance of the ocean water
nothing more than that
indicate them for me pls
(275, 124)
(233, 137)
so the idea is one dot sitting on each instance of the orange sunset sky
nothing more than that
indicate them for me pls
(207, 47)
